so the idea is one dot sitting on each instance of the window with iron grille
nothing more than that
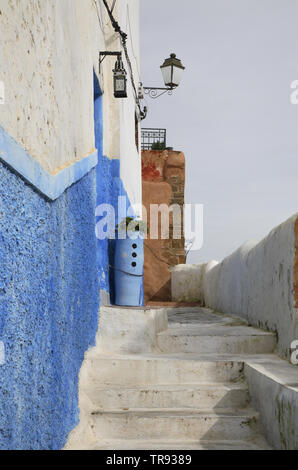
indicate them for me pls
(154, 139)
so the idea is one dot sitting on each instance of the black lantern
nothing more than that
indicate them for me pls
(172, 70)
(120, 80)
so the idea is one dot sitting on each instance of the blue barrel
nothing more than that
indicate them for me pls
(128, 272)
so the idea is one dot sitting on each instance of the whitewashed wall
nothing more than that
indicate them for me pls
(46, 65)
(256, 283)
(120, 130)
(49, 50)
(131, 165)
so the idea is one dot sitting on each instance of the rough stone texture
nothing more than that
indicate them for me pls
(163, 183)
(48, 308)
(156, 269)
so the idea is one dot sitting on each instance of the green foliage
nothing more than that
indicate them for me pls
(158, 146)
(130, 224)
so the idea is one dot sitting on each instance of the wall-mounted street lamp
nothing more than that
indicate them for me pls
(120, 75)
(172, 70)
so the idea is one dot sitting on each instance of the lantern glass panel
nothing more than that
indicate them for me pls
(120, 84)
(177, 75)
(167, 74)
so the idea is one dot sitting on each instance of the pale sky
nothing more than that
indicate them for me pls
(231, 115)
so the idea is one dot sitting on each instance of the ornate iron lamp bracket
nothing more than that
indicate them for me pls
(155, 92)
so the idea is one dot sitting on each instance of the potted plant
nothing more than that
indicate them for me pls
(129, 262)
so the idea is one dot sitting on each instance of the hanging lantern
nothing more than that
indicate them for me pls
(172, 70)
(120, 79)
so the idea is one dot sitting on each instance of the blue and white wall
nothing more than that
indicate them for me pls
(66, 145)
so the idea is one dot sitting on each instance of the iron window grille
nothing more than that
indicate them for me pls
(154, 139)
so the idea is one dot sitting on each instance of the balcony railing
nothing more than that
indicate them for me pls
(154, 139)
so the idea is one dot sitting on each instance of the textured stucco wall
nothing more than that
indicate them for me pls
(187, 283)
(50, 49)
(51, 274)
(109, 187)
(49, 77)
(48, 308)
(257, 282)
(274, 392)
(52, 267)
(130, 156)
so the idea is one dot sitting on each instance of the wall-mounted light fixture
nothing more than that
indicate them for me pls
(120, 75)
(172, 70)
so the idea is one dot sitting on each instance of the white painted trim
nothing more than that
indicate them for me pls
(52, 186)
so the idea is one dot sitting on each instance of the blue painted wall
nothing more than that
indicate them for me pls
(109, 188)
(51, 186)
(51, 271)
(48, 308)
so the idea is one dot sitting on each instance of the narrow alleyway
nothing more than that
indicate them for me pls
(190, 393)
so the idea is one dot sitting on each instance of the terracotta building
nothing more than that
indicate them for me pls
(163, 183)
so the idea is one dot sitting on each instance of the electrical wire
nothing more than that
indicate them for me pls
(123, 38)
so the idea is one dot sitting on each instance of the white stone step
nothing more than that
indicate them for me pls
(187, 316)
(216, 339)
(172, 369)
(175, 424)
(258, 443)
(203, 396)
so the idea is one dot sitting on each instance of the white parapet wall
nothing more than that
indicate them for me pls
(273, 386)
(258, 282)
(187, 283)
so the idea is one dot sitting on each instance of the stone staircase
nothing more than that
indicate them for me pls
(183, 388)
